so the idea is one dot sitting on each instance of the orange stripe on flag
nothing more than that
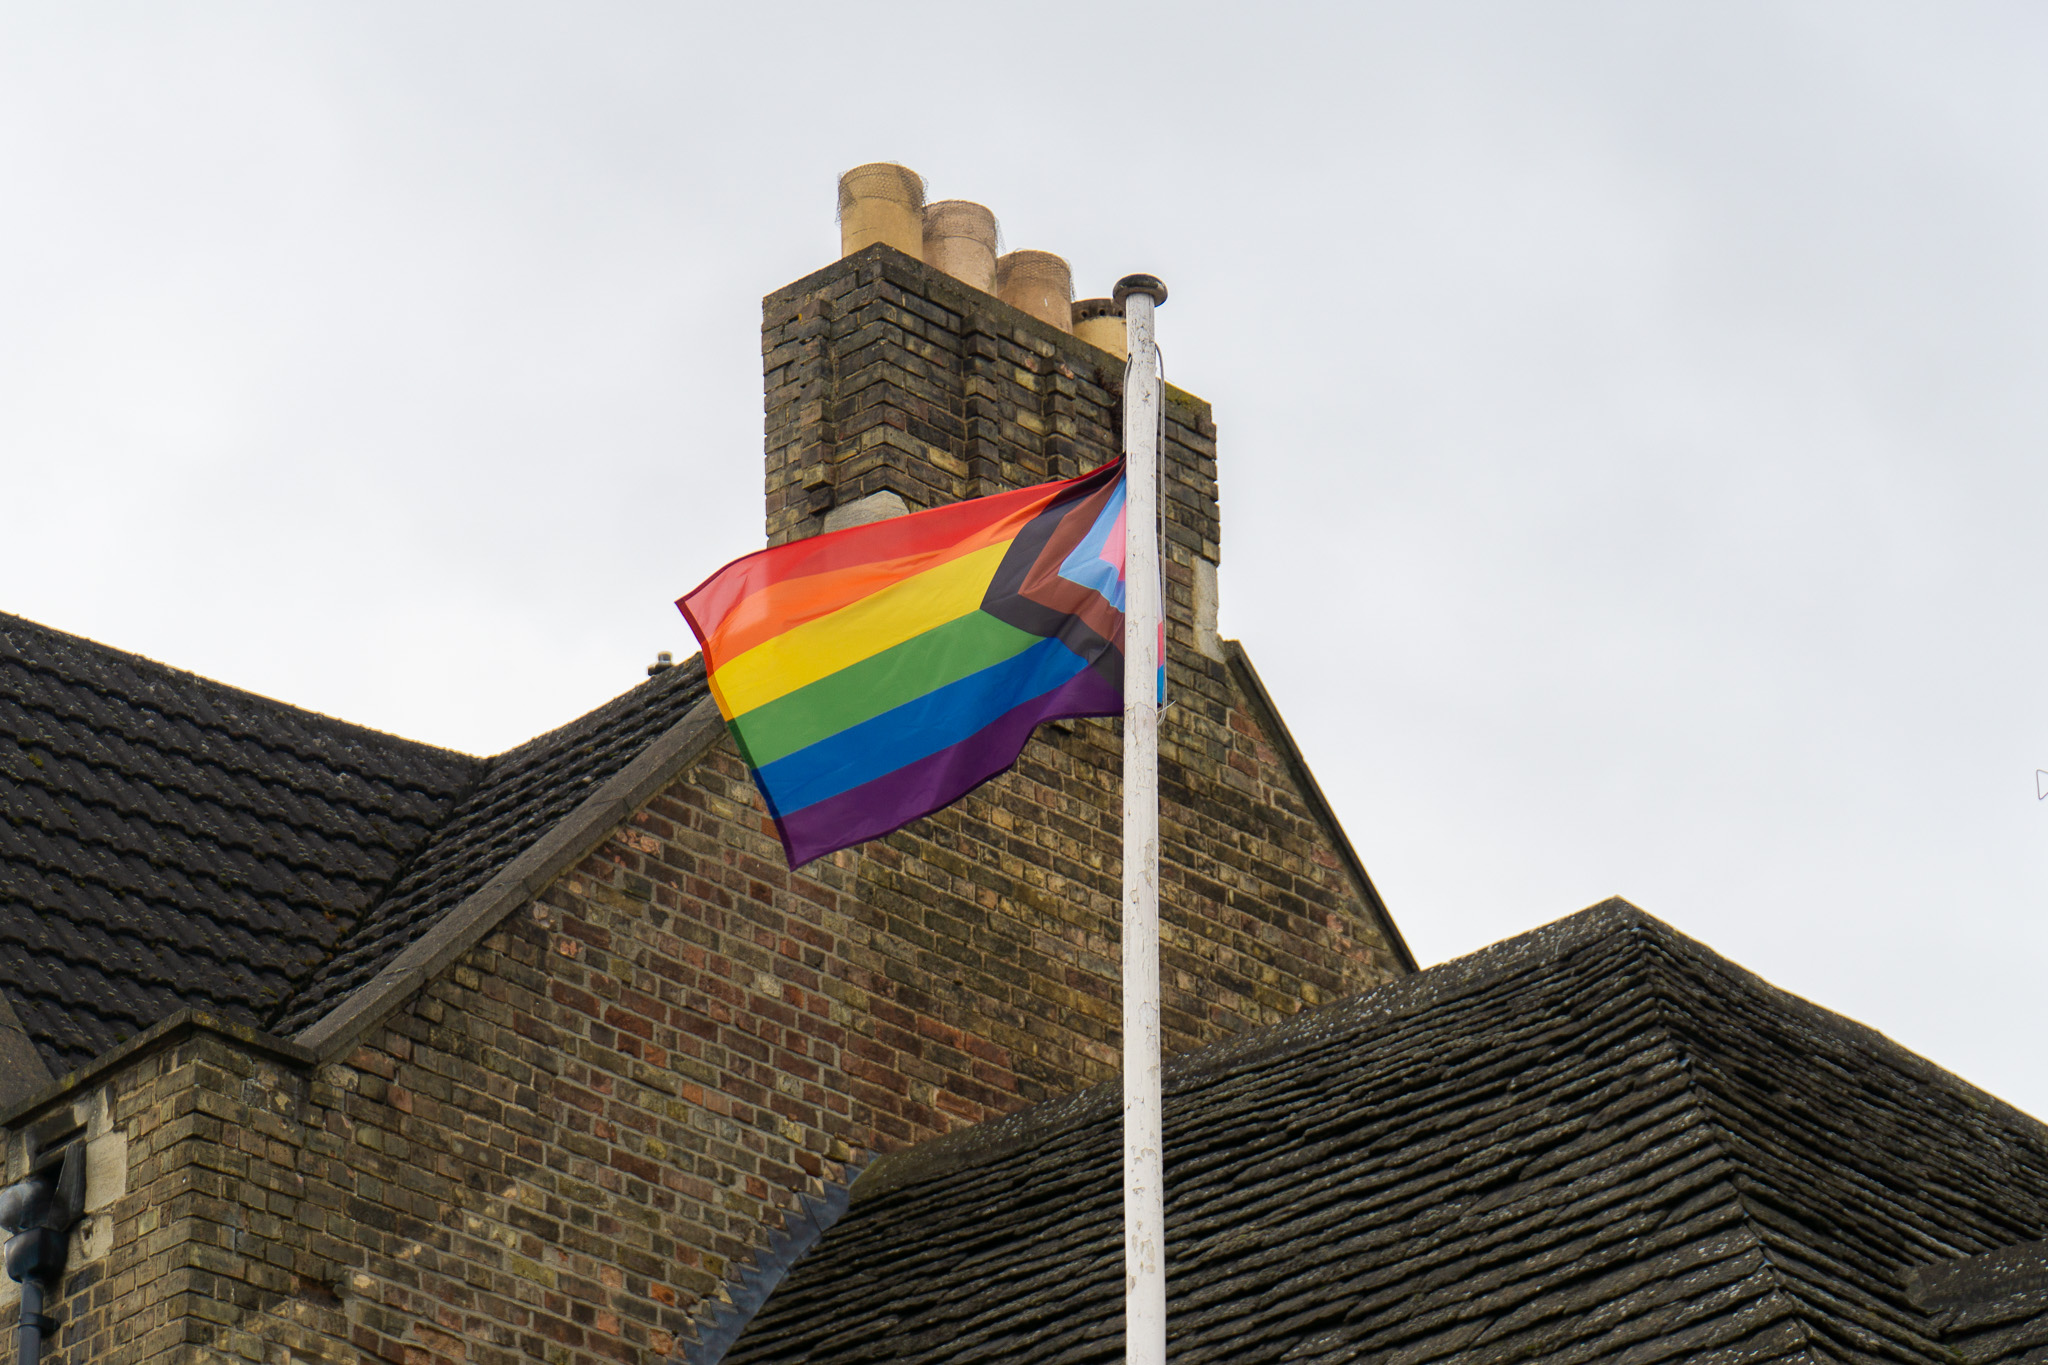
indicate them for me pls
(932, 530)
(776, 607)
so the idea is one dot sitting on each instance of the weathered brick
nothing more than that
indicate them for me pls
(556, 1150)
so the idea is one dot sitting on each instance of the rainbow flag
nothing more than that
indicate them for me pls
(874, 675)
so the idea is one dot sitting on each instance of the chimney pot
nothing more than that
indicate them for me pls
(1040, 283)
(881, 202)
(1100, 323)
(663, 662)
(960, 239)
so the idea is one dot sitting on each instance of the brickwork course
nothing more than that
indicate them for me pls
(554, 1117)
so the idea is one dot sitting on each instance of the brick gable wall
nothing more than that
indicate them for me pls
(562, 1146)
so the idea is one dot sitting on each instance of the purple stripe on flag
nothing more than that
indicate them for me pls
(893, 800)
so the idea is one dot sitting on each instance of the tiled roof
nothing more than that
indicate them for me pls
(166, 841)
(1988, 1308)
(1599, 1141)
(522, 793)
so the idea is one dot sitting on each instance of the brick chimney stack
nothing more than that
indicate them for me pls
(894, 386)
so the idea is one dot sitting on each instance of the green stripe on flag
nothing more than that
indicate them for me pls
(881, 682)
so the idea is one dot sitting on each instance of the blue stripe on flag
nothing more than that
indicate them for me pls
(935, 721)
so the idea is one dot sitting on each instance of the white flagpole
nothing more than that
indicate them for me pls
(1144, 1185)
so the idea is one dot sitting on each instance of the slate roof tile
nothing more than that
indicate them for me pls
(1597, 1142)
(1991, 1307)
(168, 842)
(522, 794)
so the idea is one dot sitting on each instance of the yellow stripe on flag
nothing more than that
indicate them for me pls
(881, 620)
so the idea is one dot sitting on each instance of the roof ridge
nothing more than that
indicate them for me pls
(1707, 1123)
(1872, 1043)
(591, 719)
(1397, 999)
(226, 691)
(1306, 1028)
(1752, 1194)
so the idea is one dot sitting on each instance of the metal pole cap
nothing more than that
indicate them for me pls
(1139, 284)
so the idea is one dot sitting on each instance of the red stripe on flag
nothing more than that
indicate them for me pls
(927, 532)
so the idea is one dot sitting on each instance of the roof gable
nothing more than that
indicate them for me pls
(1597, 1141)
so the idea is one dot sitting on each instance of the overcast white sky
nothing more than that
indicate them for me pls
(1632, 434)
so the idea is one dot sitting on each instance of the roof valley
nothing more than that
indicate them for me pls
(169, 842)
(275, 1018)
(173, 842)
(516, 798)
